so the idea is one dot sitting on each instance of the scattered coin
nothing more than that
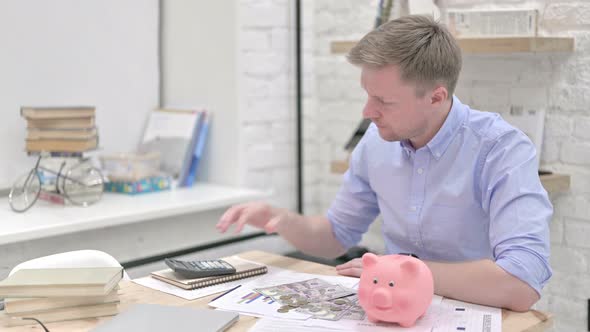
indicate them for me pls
(340, 302)
(283, 310)
(285, 297)
(336, 309)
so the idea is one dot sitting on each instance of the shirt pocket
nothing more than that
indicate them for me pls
(456, 233)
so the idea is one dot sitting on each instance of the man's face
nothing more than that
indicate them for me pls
(392, 104)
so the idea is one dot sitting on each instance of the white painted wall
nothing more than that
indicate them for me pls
(199, 69)
(102, 53)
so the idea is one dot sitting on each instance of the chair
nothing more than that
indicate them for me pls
(78, 258)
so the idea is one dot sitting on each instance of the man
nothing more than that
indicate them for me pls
(457, 187)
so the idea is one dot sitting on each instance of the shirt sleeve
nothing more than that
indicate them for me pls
(519, 209)
(355, 206)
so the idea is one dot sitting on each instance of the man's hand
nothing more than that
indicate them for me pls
(351, 268)
(257, 214)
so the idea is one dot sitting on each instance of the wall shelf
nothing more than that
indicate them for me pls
(46, 220)
(493, 45)
(553, 183)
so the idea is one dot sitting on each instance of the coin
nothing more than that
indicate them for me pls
(283, 310)
(336, 309)
(285, 297)
(340, 302)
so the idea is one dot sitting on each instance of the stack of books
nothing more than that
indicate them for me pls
(244, 269)
(59, 294)
(60, 129)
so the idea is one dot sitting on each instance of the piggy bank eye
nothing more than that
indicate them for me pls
(375, 280)
(391, 283)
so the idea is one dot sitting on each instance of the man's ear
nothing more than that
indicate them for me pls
(369, 259)
(439, 95)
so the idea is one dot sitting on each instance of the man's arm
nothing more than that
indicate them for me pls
(481, 282)
(311, 235)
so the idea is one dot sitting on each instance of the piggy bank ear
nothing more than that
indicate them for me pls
(369, 259)
(410, 267)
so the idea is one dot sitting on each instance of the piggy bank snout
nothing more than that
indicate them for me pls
(382, 299)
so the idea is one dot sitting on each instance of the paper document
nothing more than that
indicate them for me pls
(424, 324)
(462, 316)
(273, 325)
(249, 302)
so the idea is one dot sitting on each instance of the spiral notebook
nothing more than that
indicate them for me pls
(243, 270)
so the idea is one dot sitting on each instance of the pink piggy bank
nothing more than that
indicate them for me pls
(395, 288)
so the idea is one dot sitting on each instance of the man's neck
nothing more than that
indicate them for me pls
(420, 141)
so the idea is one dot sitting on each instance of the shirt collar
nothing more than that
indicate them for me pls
(440, 142)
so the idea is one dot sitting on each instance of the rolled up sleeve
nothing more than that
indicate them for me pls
(519, 209)
(355, 206)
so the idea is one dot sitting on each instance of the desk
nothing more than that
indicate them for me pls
(132, 293)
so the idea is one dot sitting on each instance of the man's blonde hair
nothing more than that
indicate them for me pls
(425, 51)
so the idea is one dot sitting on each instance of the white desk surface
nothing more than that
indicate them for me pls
(45, 219)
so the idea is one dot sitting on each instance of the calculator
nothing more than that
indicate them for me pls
(200, 268)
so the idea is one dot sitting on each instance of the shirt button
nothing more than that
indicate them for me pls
(420, 170)
(413, 208)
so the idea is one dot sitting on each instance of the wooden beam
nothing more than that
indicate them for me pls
(553, 183)
(493, 45)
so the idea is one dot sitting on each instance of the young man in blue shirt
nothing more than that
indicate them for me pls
(455, 186)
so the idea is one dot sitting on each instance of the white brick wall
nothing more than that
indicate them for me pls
(333, 101)
(558, 82)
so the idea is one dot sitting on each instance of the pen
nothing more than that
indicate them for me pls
(225, 293)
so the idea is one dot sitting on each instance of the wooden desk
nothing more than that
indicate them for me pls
(132, 293)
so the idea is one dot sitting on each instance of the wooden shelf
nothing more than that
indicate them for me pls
(553, 183)
(493, 45)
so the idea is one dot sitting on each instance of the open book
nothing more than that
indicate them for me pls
(243, 270)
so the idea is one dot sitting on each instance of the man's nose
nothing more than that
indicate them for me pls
(369, 111)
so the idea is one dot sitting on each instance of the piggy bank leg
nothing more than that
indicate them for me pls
(407, 323)
(372, 319)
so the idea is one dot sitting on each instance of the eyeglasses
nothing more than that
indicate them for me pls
(77, 181)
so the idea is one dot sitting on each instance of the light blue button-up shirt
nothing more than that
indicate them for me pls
(473, 192)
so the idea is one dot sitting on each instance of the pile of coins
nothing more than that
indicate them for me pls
(293, 301)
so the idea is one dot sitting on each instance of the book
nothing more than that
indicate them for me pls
(67, 123)
(57, 112)
(468, 23)
(61, 314)
(186, 164)
(170, 133)
(35, 133)
(531, 122)
(33, 304)
(243, 270)
(198, 154)
(60, 282)
(61, 145)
